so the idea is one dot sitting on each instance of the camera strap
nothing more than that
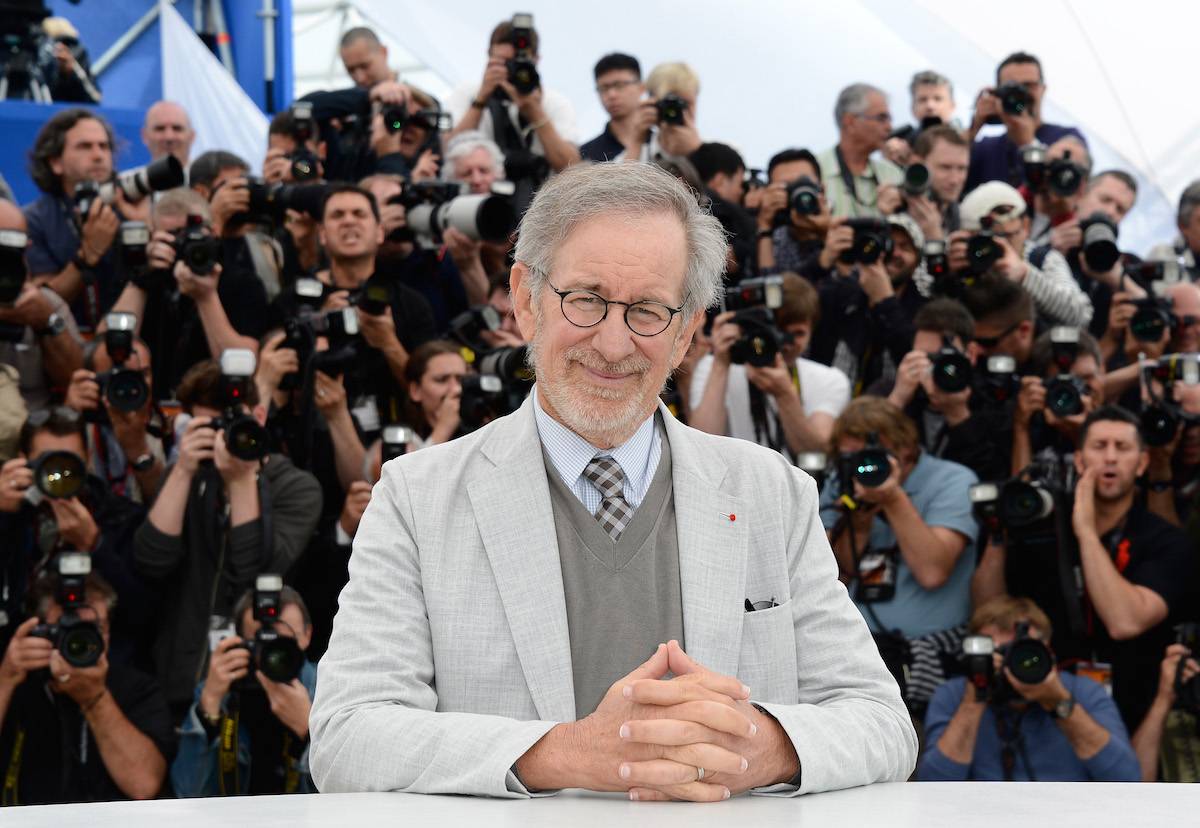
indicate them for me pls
(848, 178)
(12, 775)
(1012, 745)
(764, 416)
(227, 751)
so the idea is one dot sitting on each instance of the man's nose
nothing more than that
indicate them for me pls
(612, 339)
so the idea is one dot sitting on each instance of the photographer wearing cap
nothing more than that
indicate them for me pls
(932, 96)
(71, 253)
(855, 183)
(995, 239)
(945, 154)
(1135, 569)
(1063, 728)
(1185, 249)
(49, 503)
(1166, 742)
(125, 446)
(796, 399)
(936, 394)
(539, 121)
(270, 716)
(40, 339)
(630, 130)
(218, 521)
(78, 733)
(1016, 102)
(186, 317)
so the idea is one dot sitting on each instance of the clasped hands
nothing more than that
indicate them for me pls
(651, 737)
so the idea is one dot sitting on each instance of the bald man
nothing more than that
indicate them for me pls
(168, 131)
(1185, 304)
(41, 340)
(365, 58)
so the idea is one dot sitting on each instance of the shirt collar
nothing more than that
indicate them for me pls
(570, 453)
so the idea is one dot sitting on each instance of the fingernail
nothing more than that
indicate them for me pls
(726, 794)
(745, 763)
(624, 771)
(627, 691)
(624, 731)
(753, 728)
(745, 691)
(633, 795)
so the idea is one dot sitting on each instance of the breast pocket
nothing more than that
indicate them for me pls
(767, 663)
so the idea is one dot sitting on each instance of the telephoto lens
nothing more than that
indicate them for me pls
(1023, 503)
(1100, 249)
(916, 179)
(1028, 659)
(804, 196)
(1064, 395)
(951, 369)
(59, 474)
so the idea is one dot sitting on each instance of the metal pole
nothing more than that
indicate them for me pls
(125, 41)
(269, 15)
(222, 33)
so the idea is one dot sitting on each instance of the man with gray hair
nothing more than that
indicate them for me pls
(475, 159)
(856, 184)
(932, 104)
(1186, 248)
(510, 592)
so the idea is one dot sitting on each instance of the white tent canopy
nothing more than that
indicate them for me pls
(770, 69)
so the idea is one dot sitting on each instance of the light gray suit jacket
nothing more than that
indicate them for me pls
(450, 654)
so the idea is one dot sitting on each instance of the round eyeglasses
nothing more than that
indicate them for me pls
(585, 309)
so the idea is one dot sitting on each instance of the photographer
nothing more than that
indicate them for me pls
(540, 122)
(294, 148)
(125, 448)
(1021, 85)
(807, 244)
(1055, 206)
(68, 252)
(951, 424)
(1136, 570)
(932, 96)
(218, 521)
(365, 58)
(434, 384)
(945, 154)
(867, 311)
(40, 339)
(65, 65)
(78, 734)
(473, 159)
(1061, 729)
(723, 173)
(187, 317)
(508, 335)
(1166, 740)
(1004, 319)
(1003, 246)
(796, 399)
(48, 504)
(629, 133)
(855, 183)
(1173, 477)
(674, 133)
(1185, 249)
(270, 748)
(1040, 432)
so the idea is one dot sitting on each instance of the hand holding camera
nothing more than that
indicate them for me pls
(1066, 236)
(912, 373)
(888, 199)
(31, 309)
(275, 361)
(76, 526)
(357, 498)
(25, 654)
(875, 282)
(196, 445)
(725, 332)
(495, 76)
(230, 199)
(329, 394)
(233, 469)
(16, 477)
(378, 329)
(1179, 670)
(838, 240)
(83, 685)
(100, 224)
(774, 379)
(228, 663)
(1011, 264)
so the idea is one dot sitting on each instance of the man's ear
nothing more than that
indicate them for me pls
(522, 300)
(685, 338)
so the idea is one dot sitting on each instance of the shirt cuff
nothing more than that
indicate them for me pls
(342, 537)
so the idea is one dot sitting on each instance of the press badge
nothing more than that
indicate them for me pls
(219, 627)
(876, 576)
(366, 414)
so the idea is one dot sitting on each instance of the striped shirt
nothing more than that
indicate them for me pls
(570, 455)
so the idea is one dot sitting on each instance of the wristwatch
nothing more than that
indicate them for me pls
(55, 325)
(144, 462)
(1063, 709)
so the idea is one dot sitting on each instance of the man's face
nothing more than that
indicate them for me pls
(1015, 228)
(849, 444)
(801, 333)
(871, 127)
(1003, 637)
(1107, 195)
(366, 62)
(1191, 230)
(477, 169)
(790, 171)
(86, 155)
(290, 624)
(139, 360)
(904, 258)
(730, 187)
(501, 300)
(603, 381)
(383, 189)
(932, 341)
(620, 92)
(1092, 373)
(1112, 449)
(933, 99)
(349, 229)
(1029, 76)
(44, 441)
(947, 165)
(1185, 304)
(168, 131)
(1014, 340)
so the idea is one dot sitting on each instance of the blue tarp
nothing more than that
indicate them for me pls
(134, 80)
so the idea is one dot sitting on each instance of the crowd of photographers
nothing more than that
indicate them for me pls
(203, 371)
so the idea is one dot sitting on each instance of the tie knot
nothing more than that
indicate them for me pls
(606, 475)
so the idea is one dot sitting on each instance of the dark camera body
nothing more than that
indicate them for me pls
(124, 388)
(916, 180)
(804, 198)
(375, 296)
(78, 641)
(671, 109)
(1152, 319)
(1187, 693)
(937, 263)
(304, 165)
(278, 657)
(870, 466)
(13, 270)
(1027, 658)
(522, 71)
(270, 202)
(1015, 503)
(163, 174)
(872, 241)
(58, 474)
(244, 436)
(1064, 395)
(755, 302)
(197, 248)
(983, 251)
(482, 401)
(952, 371)
(470, 325)
(1014, 100)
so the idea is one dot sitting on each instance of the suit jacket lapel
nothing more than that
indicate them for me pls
(514, 518)
(711, 526)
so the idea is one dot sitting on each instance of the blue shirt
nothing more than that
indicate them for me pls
(938, 490)
(54, 242)
(569, 453)
(1050, 755)
(995, 158)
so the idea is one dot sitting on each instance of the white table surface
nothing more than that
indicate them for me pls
(900, 805)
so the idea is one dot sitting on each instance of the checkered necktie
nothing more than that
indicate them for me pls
(614, 512)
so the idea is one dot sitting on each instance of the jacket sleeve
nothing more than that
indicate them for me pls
(1116, 761)
(295, 507)
(936, 766)
(1056, 294)
(374, 722)
(193, 773)
(856, 730)
(155, 553)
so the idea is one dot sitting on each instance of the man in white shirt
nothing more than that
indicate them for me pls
(790, 405)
